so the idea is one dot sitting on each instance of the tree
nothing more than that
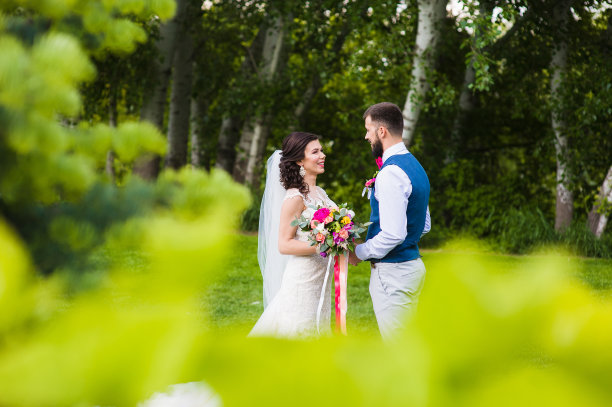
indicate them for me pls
(598, 217)
(54, 149)
(588, 95)
(431, 14)
(44, 159)
(255, 131)
(489, 37)
(239, 92)
(325, 32)
(558, 69)
(199, 111)
(182, 89)
(155, 95)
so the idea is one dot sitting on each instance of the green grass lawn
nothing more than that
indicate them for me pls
(235, 299)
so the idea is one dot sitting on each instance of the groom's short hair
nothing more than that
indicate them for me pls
(389, 115)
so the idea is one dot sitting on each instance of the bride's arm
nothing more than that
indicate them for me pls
(291, 209)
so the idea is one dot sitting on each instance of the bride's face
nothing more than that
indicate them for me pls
(314, 159)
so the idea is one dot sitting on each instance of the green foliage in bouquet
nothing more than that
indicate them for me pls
(334, 229)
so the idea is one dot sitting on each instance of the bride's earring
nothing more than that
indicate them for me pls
(302, 171)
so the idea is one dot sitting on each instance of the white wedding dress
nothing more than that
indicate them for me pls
(292, 312)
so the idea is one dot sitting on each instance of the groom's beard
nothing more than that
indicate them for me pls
(377, 148)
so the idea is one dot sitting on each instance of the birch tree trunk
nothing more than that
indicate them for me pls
(254, 136)
(558, 68)
(180, 101)
(307, 98)
(112, 121)
(431, 14)
(597, 221)
(229, 134)
(199, 109)
(154, 103)
(109, 166)
(255, 130)
(154, 99)
(466, 105)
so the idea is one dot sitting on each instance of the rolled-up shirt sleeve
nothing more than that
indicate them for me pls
(392, 190)
(427, 227)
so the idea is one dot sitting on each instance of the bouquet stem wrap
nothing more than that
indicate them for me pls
(340, 285)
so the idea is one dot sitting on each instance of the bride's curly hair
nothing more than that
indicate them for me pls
(294, 147)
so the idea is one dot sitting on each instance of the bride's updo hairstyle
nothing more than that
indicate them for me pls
(294, 147)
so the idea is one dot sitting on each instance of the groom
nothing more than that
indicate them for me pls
(399, 216)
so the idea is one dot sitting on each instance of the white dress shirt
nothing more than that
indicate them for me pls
(392, 190)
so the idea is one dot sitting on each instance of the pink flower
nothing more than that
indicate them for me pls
(321, 214)
(313, 223)
(379, 162)
(329, 219)
(320, 237)
(337, 238)
(343, 234)
(369, 182)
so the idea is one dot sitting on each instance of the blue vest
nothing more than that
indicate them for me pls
(415, 212)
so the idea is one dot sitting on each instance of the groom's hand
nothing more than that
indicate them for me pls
(353, 259)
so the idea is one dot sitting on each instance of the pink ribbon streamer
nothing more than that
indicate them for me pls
(340, 286)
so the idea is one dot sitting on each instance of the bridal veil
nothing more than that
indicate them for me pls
(271, 262)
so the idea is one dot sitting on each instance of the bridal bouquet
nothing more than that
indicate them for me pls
(334, 229)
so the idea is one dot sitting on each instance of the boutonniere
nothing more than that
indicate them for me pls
(368, 184)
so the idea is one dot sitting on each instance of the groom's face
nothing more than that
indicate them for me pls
(372, 129)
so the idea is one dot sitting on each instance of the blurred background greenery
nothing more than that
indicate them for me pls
(509, 106)
(132, 140)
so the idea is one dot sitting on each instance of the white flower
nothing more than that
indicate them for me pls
(351, 214)
(193, 394)
(320, 228)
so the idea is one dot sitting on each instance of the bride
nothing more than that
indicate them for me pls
(292, 269)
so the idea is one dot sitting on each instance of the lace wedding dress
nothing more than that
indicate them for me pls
(292, 312)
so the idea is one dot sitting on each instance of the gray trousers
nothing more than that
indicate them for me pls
(395, 289)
